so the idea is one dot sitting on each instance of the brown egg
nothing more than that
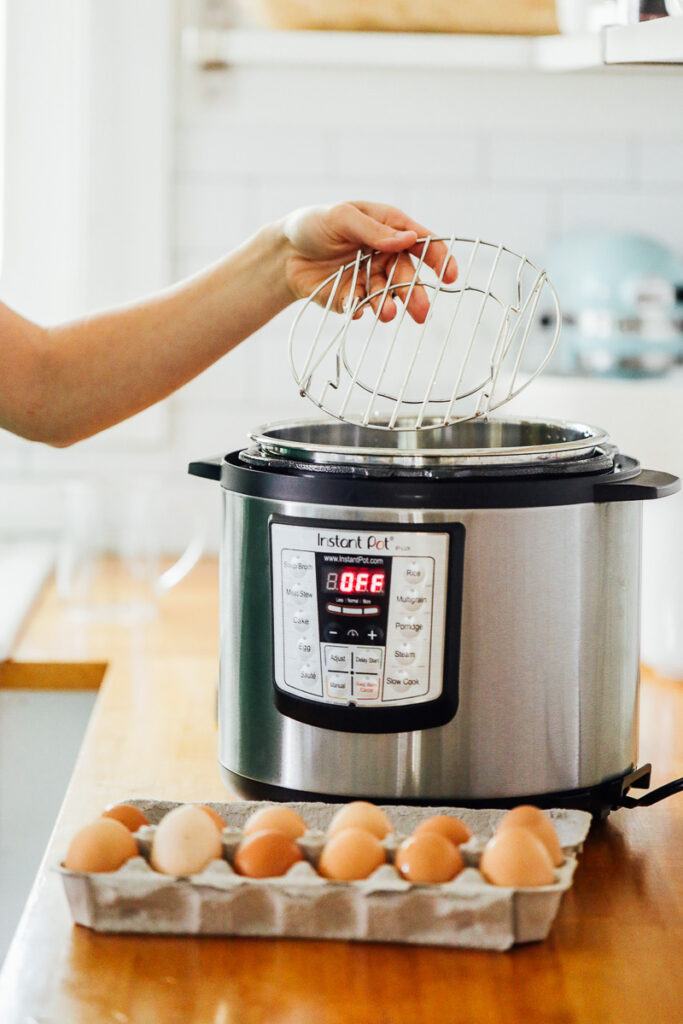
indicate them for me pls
(351, 854)
(131, 817)
(528, 816)
(446, 825)
(361, 814)
(278, 819)
(186, 840)
(266, 854)
(214, 815)
(428, 857)
(104, 845)
(516, 857)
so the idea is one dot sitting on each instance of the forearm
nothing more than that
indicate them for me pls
(94, 372)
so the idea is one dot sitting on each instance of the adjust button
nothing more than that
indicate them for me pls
(338, 658)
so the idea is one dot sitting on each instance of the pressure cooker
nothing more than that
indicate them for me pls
(447, 616)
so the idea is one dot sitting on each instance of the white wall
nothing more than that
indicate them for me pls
(513, 156)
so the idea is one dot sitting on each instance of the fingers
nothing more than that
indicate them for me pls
(365, 231)
(397, 219)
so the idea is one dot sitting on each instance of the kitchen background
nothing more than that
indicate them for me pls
(144, 141)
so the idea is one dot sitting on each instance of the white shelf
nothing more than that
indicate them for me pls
(652, 42)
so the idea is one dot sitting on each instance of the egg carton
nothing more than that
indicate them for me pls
(467, 912)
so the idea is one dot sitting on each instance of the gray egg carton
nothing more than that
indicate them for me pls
(466, 912)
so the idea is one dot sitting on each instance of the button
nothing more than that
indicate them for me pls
(336, 609)
(413, 572)
(352, 634)
(297, 564)
(365, 686)
(304, 646)
(338, 684)
(373, 610)
(408, 626)
(309, 677)
(302, 620)
(332, 631)
(352, 611)
(404, 684)
(403, 654)
(412, 599)
(338, 658)
(299, 592)
(367, 659)
(373, 633)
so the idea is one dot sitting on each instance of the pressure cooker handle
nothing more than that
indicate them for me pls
(647, 484)
(655, 795)
(210, 469)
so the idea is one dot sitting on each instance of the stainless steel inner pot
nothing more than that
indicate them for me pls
(474, 443)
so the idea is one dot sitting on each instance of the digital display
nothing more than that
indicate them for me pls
(352, 580)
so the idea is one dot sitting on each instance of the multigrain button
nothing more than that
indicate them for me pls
(412, 599)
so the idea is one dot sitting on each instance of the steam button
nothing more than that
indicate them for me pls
(403, 654)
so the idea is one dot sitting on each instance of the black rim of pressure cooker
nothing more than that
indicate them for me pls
(625, 481)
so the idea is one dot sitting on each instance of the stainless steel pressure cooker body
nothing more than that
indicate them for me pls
(447, 616)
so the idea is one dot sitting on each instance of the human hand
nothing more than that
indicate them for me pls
(324, 238)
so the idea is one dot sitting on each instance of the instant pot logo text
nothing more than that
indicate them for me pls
(359, 542)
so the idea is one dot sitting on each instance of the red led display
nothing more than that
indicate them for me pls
(356, 581)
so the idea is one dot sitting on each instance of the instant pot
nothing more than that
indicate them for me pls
(448, 616)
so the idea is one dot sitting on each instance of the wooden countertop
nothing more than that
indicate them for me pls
(613, 955)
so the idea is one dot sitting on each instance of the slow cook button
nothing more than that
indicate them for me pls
(367, 659)
(404, 684)
(365, 686)
(338, 684)
(301, 620)
(338, 658)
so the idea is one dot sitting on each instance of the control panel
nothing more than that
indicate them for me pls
(359, 615)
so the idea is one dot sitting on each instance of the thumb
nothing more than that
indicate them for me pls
(366, 231)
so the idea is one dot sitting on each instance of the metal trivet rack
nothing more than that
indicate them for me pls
(471, 355)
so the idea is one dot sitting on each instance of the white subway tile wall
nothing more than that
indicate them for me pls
(515, 157)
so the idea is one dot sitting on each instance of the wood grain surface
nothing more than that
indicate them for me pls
(613, 956)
